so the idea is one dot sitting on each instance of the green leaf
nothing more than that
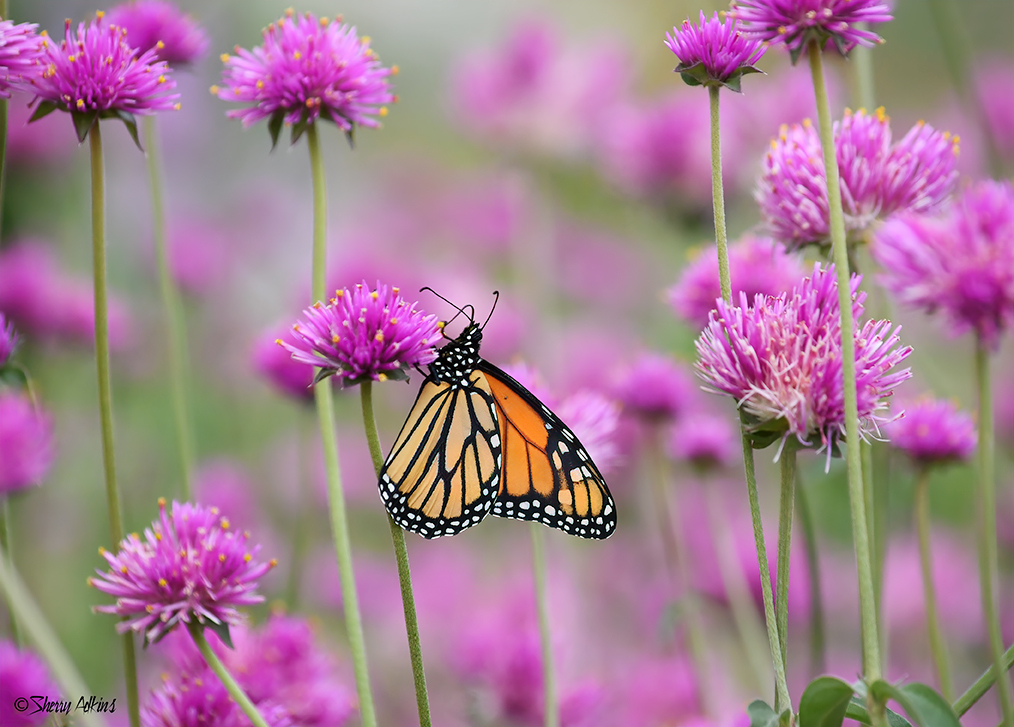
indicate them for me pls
(221, 630)
(350, 137)
(734, 81)
(298, 129)
(323, 374)
(83, 123)
(129, 121)
(13, 376)
(921, 702)
(45, 108)
(275, 126)
(824, 703)
(857, 711)
(761, 714)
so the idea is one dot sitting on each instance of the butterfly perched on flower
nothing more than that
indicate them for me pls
(476, 441)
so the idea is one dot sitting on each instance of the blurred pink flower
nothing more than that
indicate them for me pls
(706, 441)
(197, 698)
(655, 388)
(8, 340)
(995, 88)
(200, 255)
(161, 26)
(655, 690)
(26, 442)
(933, 431)
(594, 419)
(23, 675)
(277, 366)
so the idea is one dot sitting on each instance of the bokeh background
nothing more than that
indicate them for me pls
(582, 247)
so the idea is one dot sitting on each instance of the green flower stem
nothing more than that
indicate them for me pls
(975, 692)
(818, 643)
(42, 637)
(786, 508)
(172, 309)
(551, 708)
(5, 545)
(401, 555)
(106, 393)
(839, 251)
(325, 412)
(988, 568)
(938, 647)
(861, 59)
(782, 700)
(235, 691)
(870, 492)
(718, 197)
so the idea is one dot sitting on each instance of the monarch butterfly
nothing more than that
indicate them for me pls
(476, 441)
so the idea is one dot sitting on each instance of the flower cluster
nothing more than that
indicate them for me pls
(934, 431)
(20, 49)
(706, 441)
(798, 22)
(26, 442)
(307, 68)
(878, 177)
(199, 698)
(654, 388)
(160, 26)
(365, 334)
(714, 53)
(960, 263)
(191, 566)
(781, 360)
(23, 673)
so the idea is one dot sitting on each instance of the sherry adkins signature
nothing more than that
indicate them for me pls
(37, 704)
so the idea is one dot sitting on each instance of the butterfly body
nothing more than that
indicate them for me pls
(476, 441)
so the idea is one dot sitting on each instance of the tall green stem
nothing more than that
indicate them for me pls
(975, 692)
(43, 638)
(938, 647)
(5, 545)
(106, 392)
(839, 251)
(551, 707)
(235, 691)
(401, 555)
(172, 309)
(718, 197)
(817, 638)
(786, 508)
(862, 65)
(988, 568)
(325, 413)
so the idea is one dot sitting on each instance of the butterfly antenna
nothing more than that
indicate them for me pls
(496, 300)
(461, 311)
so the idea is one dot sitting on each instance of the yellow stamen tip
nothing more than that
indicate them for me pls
(214, 90)
(100, 14)
(382, 111)
(160, 45)
(395, 70)
(224, 57)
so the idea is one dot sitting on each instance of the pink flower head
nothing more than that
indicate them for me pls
(8, 340)
(277, 366)
(706, 441)
(159, 25)
(26, 442)
(798, 22)
(23, 675)
(189, 567)
(95, 74)
(714, 53)
(199, 699)
(655, 387)
(960, 263)
(20, 49)
(365, 334)
(878, 178)
(307, 68)
(995, 87)
(781, 361)
(757, 265)
(934, 431)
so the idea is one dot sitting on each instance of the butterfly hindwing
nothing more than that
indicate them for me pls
(443, 470)
(547, 475)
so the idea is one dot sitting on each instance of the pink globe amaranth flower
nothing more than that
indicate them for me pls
(995, 87)
(20, 49)
(960, 263)
(781, 360)
(714, 53)
(757, 266)
(798, 22)
(877, 177)
(706, 441)
(23, 675)
(95, 74)
(655, 388)
(307, 68)
(197, 698)
(190, 567)
(934, 431)
(26, 442)
(365, 334)
(160, 25)
(276, 365)
(8, 340)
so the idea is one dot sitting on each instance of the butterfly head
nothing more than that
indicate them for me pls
(458, 359)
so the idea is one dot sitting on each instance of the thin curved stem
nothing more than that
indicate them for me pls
(106, 392)
(718, 196)
(786, 510)
(404, 573)
(818, 644)
(325, 412)
(988, 567)
(981, 685)
(551, 706)
(235, 691)
(938, 647)
(172, 309)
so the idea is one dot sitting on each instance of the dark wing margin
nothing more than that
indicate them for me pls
(442, 473)
(547, 474)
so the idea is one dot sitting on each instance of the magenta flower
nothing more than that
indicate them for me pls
(714, 53)
(26, 442)
(798, 22)
(655, 388)
(878, 178)
(190, 567)
(758, 265)
(995, 90)
(20, 49)
(781, 360)
(276, 365)
(23, 675)
(960, 263)
(363, 334)
(95, 74)
(8, 340)
(197, 698)
(307, 69)
(706, 441)
(934, 431)
(159, 25)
